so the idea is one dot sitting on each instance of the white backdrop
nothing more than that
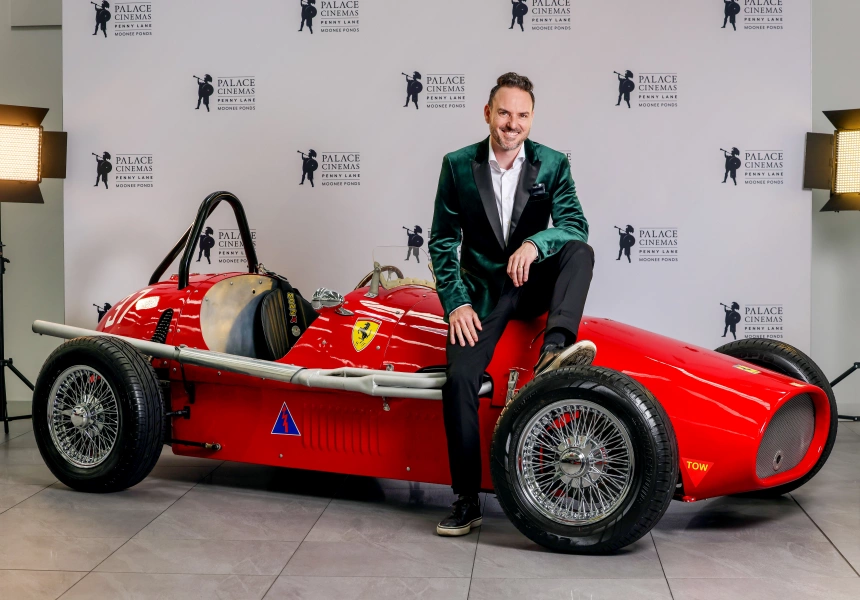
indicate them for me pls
(658, 165)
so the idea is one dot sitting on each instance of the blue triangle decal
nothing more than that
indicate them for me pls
(285, 425)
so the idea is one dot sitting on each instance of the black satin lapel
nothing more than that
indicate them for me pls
(484, 182)
(527, 180)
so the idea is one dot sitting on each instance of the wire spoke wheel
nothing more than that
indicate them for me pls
(584, 460)
(83, 416)
(575, 462)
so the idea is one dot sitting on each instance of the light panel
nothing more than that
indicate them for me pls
(20, 150)
(847, 177)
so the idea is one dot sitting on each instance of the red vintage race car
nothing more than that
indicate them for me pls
(240, 367)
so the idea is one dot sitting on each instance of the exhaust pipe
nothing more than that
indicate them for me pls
(372, 382)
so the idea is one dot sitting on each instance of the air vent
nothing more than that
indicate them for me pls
(160, 335)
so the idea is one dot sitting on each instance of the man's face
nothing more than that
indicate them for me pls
(510, 117)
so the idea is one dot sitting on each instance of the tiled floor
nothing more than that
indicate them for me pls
(206, 529)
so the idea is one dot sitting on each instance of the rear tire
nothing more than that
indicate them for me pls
(97, 414)
(786, 360)
(561, 427)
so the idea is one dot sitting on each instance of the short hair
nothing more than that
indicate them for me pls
(514, 80)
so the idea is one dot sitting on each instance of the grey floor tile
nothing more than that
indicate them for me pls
(14, 493)
(37, 585)
(384, 559)
(55, 553)
(729, 519)
(570, 589)
(19, 427)
(138, 586)
(200, 557)
(505, 553)
(838, 516)
(400, 517)
(765, 589)
(844, 432)
(158, 491)
(693, 559)
(26, 474)
(368, 588)
(74, 521)
(225, 513)
(851, 426)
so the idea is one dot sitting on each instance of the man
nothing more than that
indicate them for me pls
(496, 197)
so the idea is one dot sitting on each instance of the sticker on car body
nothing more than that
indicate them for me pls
(747, 369)
(363, 332)
(285, 425)
(696, 469)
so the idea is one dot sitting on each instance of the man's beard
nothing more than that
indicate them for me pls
(503, 144)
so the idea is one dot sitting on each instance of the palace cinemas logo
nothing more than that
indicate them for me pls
(337, 169)
(754, 320)
(542, 15)
(758, 167)
(127, 170)
(446, 91)
(232, 93)
(755, 15)
(647, 90)
(647, 244)
(130, 19)
(227, 244)
(339, 16)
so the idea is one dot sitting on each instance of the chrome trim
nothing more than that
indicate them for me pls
(373, 382)
(513, 376)
(326, 297)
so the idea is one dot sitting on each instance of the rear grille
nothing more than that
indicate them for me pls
(787, 437)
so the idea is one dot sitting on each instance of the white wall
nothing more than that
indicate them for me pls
(30, 68)
(31, 74)
(835, 236)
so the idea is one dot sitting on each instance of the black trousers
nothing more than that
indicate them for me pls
(559, 285)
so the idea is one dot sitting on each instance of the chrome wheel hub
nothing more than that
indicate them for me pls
(83, 416)
(574, 462)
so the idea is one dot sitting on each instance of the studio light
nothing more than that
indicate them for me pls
(833, 161)
(28, 153)
(20, 150)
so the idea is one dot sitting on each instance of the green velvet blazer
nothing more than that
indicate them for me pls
(465, 213)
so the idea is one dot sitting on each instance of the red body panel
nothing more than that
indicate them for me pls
(719, 412)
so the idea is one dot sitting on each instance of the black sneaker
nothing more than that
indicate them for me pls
(465, 515)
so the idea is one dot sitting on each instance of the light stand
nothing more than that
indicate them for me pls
(7, 362)
(27, 155)
(853, 368)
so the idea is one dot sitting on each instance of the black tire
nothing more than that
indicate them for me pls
(654, 473)
(140, 413)
(786, 360)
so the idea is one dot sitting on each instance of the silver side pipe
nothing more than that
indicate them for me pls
(373, 382)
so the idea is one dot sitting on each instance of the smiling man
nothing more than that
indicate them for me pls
(495, 199)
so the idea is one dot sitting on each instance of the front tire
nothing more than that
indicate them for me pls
(786, 360)
(97, 414)
(584, 460)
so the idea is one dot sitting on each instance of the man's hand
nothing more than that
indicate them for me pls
(520, 261)
(463, 325)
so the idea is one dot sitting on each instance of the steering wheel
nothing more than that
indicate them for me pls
(386, 269)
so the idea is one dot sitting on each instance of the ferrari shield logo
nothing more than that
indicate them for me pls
(363, 332)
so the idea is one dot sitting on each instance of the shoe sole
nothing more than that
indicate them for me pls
(579, 354)
(458, 531)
